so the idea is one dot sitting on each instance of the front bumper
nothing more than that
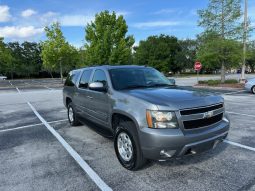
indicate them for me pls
(162, 144)
(248, 86)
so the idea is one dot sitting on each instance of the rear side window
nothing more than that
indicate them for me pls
(84, 82)
(72, 78)
(99, 76)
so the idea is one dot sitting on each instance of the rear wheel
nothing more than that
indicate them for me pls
(127, 147)
(253, 89)
(72, 116)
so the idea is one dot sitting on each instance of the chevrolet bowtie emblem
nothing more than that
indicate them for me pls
(208, 114)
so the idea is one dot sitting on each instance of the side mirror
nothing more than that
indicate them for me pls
(172, 81)
(97, 86)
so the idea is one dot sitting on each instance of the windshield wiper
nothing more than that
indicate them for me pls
(158, 85)
(135, 86)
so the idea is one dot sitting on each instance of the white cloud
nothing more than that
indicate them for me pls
(123, 13)
(65, 20)
(48, 17)
(166, 11)
(156, 24)
(28, 13)
(81, 20)
(4, 13)
(20, 32)
(75, 20)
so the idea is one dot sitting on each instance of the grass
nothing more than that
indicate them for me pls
(217, 82)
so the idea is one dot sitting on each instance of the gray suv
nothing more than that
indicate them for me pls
(148, 115)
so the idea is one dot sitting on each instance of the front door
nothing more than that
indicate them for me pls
(100, 105)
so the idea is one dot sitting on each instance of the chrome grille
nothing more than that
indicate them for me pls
(201, 117)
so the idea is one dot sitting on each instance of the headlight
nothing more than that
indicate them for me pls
(161, 119)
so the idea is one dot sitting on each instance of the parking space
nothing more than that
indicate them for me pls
(29, 84)
(32, 158)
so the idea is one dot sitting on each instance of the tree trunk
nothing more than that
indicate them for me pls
(252, 69)
(61, 72)
(222, 72)
(51, 74)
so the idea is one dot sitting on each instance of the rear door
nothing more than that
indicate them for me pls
(70, 84)
(81, 97)
(99, 101)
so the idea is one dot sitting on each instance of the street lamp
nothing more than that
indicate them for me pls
(244, 40)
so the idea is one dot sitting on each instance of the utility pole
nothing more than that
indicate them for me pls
(244, 39)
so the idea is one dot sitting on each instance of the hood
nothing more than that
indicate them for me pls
(175, 98)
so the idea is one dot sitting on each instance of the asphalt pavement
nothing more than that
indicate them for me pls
(34, 157)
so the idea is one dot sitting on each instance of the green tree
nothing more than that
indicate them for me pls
(222, 17)
(56, 52)
(26, 60)
(186, 57)
(251, 56)
(31, 59)
(159, 52)
(106, 40)
(6, 59)
(213, 50)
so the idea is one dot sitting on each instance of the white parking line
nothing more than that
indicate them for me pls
(239, 145)
(18, 90)
(33, 125)
(48, 88)
(91, 173)
(234, 92)
(240, 114)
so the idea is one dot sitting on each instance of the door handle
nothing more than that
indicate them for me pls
(89, 97)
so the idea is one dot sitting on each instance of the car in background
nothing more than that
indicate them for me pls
(2, 77)
(250, 85)
(239, 71)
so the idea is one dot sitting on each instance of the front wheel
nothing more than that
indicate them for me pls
(72, 116)
(127, 146)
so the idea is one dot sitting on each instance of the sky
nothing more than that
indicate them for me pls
(22, 20)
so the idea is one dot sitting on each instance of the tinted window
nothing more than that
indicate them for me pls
(72, 78)
(99, 76)
(126, 78)
(84, 82)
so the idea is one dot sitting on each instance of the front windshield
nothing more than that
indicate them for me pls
(128, 78)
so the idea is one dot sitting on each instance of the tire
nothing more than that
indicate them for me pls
(253, 89)
(126, 133)
(72, 116)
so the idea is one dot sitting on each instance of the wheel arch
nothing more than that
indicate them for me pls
(117, 115)
(68, 100)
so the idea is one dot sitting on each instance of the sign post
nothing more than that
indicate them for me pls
(197, 68)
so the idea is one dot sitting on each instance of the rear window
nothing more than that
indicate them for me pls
(72, 77)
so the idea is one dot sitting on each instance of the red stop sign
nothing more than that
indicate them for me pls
(197, 66)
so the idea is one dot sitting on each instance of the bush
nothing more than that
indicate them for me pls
(217, 82)
(231, 81)
(202, 82)
(213, 82)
